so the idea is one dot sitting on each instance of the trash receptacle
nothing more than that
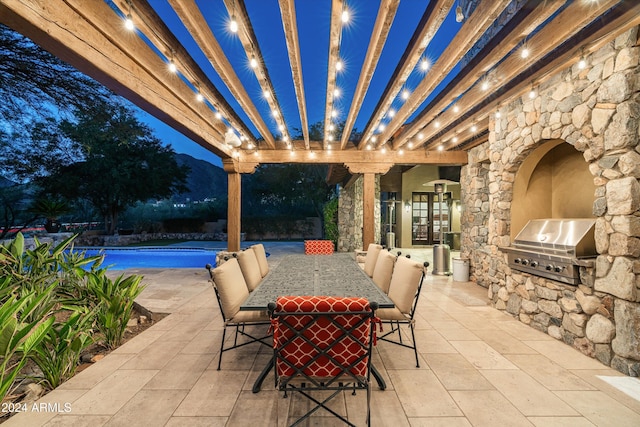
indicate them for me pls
(460, 270)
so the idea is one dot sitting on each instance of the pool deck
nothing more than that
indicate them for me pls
(479, 367)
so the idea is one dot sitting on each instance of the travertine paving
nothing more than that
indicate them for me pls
(479, 367)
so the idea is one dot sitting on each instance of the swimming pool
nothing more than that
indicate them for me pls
(152, 257)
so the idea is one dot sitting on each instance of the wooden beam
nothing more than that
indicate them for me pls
(192, 18)
(416, 157)
(474, 27)
(572, 19)
(92, 40)
(386, 13)
(237, 9)
(335, 32)
(368, 168)
(481, 66)
(288, 14)
(433, 17)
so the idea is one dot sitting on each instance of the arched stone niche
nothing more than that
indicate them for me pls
(553, 182)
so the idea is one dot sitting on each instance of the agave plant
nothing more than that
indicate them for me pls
(51, 208)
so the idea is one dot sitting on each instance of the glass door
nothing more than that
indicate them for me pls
(421, 219)
(427, 217)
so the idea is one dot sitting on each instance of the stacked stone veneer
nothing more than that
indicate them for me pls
(597, 111)
(350, 205)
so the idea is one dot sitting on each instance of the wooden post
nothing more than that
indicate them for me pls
(368, 209)
(233, 211)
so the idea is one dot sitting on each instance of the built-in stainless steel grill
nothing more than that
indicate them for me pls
(554, 248)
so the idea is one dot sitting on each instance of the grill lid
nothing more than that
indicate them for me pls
(573, 236)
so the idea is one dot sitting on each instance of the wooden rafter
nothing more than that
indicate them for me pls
(482, 67)
(386, 13)
(546, 40)
(432, 19)
(474, 27)
(335, 32)
(288, 13)
(622, 17)
(154, 29)
(192, 18)
(237, 9)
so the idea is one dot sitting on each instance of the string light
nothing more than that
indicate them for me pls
(266, 94)
(410, 144)
(437, 124)
(233, 25)
(345, 16)
(420, 135)
(381, 127)
(405, 94)
(339, 65)
(498, 114)
(368, 146)
(172, 66)
(532, 92)
(485, 85)
(424, 64)
(199, 97)
(128, 23)
(336, 92)
(384, 149)
(525, 52)
(331, 127)
(474, 128)
(456, 109)
(253, 62)
(391, 113)
(401, 151)
(440, 147)
(218, 116)
(454, 139)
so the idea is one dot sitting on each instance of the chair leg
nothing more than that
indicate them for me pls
(224, 332)
(415, 346)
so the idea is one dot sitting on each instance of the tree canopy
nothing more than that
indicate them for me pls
(118, 162)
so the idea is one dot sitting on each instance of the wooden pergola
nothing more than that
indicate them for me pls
(90, 35)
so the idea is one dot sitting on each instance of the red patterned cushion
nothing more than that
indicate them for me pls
(318, 247)
(321, 334)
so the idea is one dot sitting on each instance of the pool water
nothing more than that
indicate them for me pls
(152, 257)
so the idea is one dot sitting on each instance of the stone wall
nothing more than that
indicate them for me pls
(597, 111)
(350, 224)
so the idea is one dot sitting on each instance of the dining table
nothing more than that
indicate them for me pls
(335, 275)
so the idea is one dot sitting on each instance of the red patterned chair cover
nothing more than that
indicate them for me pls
(324, 342)
(318, 247)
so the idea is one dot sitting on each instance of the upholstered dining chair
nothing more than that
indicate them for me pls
(231, 290)
(323, 344)
(250, 268)
(261, 255)
(383, 270)
(370, 258)
(404, 291)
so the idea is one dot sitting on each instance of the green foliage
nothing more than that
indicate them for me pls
(330, 215)
(20, 338)
(116, 299)
(58, 355)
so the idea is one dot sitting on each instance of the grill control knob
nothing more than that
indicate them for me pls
(517, 260)
(525, 262)
(559, 269)
(549, 267)
(534, 264)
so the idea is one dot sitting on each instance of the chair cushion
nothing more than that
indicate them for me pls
(344, 348)
(372, 256)
(404, 283)
(383, 270)
(390, 314)
(231, 286)
(250, 268)
(261, 255)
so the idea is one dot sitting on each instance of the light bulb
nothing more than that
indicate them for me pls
(405, 94)
(437, 124)
(128, 23)
(266, 94)
(456, 108)
(582, 64)
(368, 147)
(391, 113)
(474, 128)
(420, 135)
(218, 116)
(485, 85)
(424, 64)
(339, 65)
(498, 114)
(253, 62)
(440, 147)
(233, 25)
(459, 14)
(532, 94)
(525, 52)
(410, 144)
(332, 126)
(381, 127)
(199, 97)
(336, 92)
(345, 16)
(454, 139)
(172, 66)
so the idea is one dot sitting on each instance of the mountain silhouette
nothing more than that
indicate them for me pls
(204, 180)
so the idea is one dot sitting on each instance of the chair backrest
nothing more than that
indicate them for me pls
(319, 337)
(261, 255)
(250, 268)
(230, 286)
(383, 270)
(406, 282)
(372, 256)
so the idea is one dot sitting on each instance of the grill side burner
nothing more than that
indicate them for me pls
(554, 248)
